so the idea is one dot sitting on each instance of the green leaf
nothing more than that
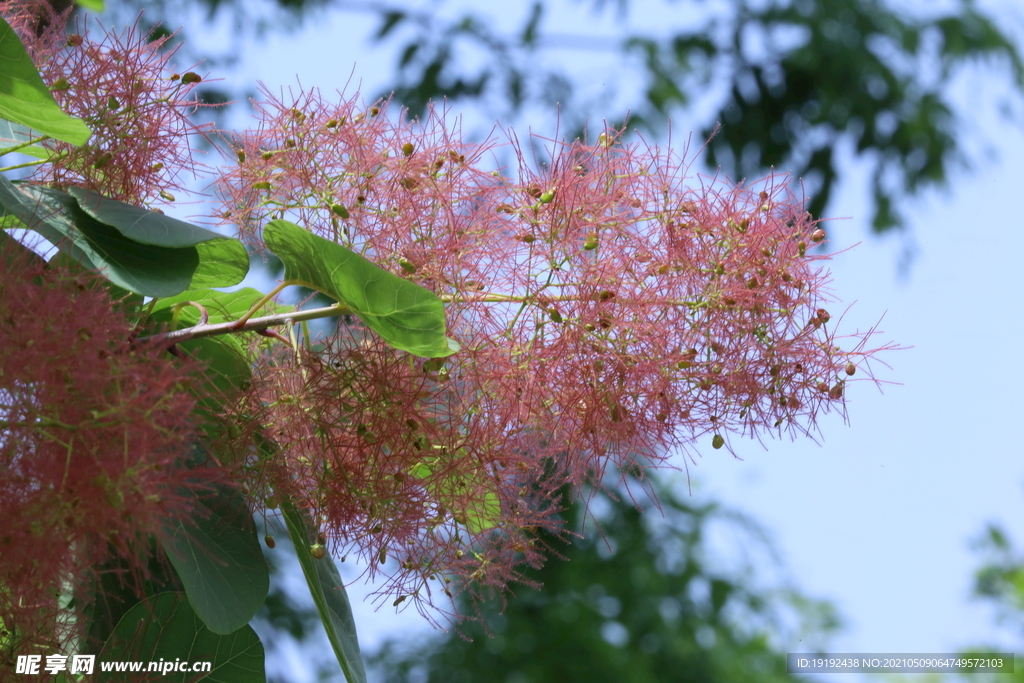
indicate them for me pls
(469, 495)
(166, 628)
(223, 261)
(222, 306)
(219, 560)
(139, 268)
(328, 591)
(228, 357)
(25, 99)
(405, 315)
(91, 5)
(133, 255)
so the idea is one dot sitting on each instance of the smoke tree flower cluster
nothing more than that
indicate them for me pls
(92, 435)
(123, 86)
(612, 310)
(607, 309)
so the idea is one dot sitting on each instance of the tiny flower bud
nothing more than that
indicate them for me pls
(851, 369)
(269, 540)
(241, 156)
(60, 84)
(591, 242)
(113, 104)
(339, 210)
(801, 248)
(717, 441)
(818, 235)
(191, 77)
(407, 266)
(272, 502)
(408, 148)
(102, 160)
(166, 196)
(317, 551)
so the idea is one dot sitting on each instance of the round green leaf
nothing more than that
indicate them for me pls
(405, 315)
(25, 99)
(219, 560)
(223, 261)
(165, 628)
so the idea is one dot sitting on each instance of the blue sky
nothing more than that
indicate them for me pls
(879, 517)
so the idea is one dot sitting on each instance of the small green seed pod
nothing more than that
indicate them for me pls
(317, 551)
(191, 77)
(717, 441)
(269, 540)
(408, 148)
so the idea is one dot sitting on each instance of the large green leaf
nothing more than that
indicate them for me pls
(142, 267)
(166, 628)
(25, 99)
(405, 315)
(219, 560)
(223, 261)
(328, 593)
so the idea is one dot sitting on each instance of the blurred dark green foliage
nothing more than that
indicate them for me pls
(803, 78)
(637, 598)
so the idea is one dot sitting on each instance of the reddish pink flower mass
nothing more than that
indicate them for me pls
(93, 438)
(612, 308)
(123, 86)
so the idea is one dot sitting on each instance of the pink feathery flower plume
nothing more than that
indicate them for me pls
(124, 87)
(93, 441)
(612, 309)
